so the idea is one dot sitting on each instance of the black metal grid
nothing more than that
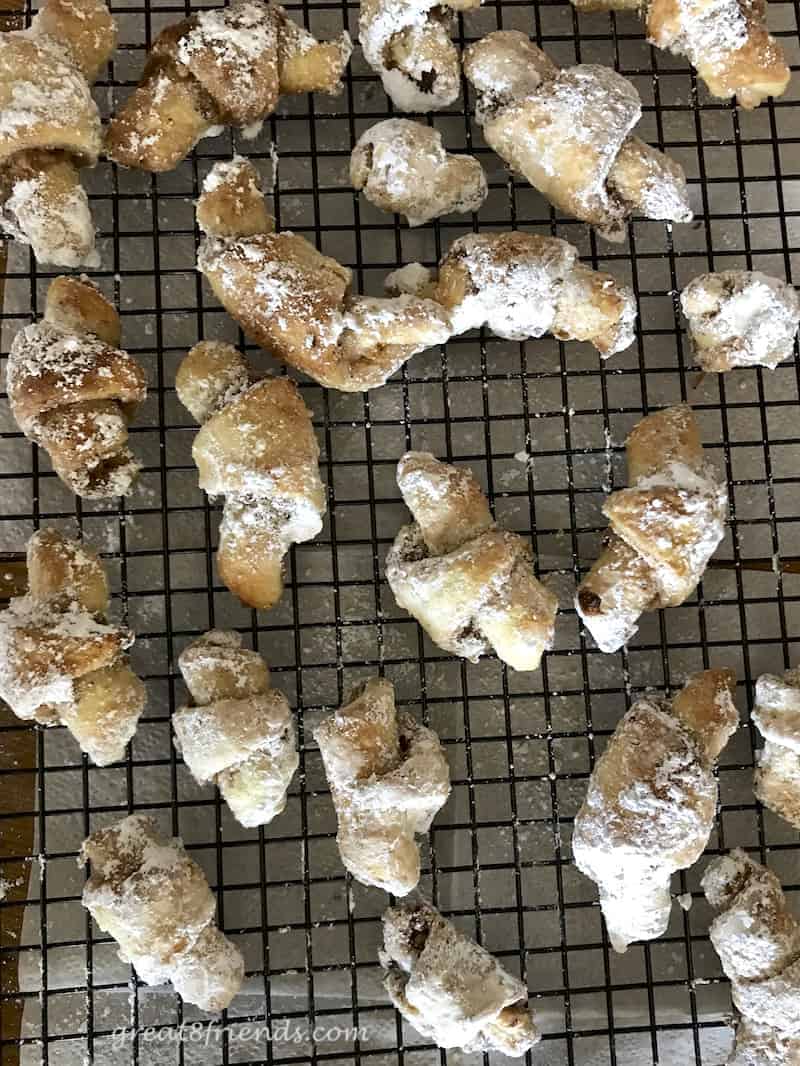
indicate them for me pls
(542, 424)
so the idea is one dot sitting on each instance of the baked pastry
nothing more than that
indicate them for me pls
(296, 302)
(388, 777)
(468, 583)
(651, 803)
(257, 448)
(148, 894)
(223, 67)
(663, 529)
(50, 127)
(451, 989)
(569, 133)
(61, 661)
(740, 318)
(238, 732)
(758, 941)
(777, 715)
(523, 285)
(403, 167)
(726, 41)
(408, 43)
(73, 391)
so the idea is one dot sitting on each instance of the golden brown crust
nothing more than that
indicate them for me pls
(242, 79)
(258, 449)
(85, 28)
(38, 390)
(264, 433)
(211, 374)
(237, 731)
(728, 42)
(705, 707)
(299, 322)
(296, 302)
(447, 502)
(60, 661)
(307, 65)
(468, 583)
(664, 528)
(569, 133)
(50, 125)
(661, 525)
(251, 554)
(650, 806)
(226, 65)
(65, 570)
(161, 121)
(403, 167)
(74, 394)
(524, 285)
(671, 435)
(649, 183)
(597, 308)
(79, 307)
(235, 206)
(43, 204)
(61, 114)
(154, 900)
(388, 777)
(757, 938)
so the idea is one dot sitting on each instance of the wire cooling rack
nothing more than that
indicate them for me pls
(542, 424)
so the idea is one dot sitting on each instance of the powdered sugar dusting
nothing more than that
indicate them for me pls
(662, 191)
(402, 166)
(245, 741)
(449, 988)
(467, 592)
(728, 42)
(593, 106)
(522, 285)
(427, 77)
(709, 32)
(388, 776)
(777, 716)
(47, 104)
(154, 899)
(280, 285)
(26, 682)
(741, 318)
(758, 941)
(243, 41)
(59, 95)
(697, 526)
(67, 392)
(51, 642)
(568, 132)
(648, 811)
(515, 299)
(665, 528)
(237, 39)
(64, 237)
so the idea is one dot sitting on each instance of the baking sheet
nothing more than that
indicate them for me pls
(542, 424)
